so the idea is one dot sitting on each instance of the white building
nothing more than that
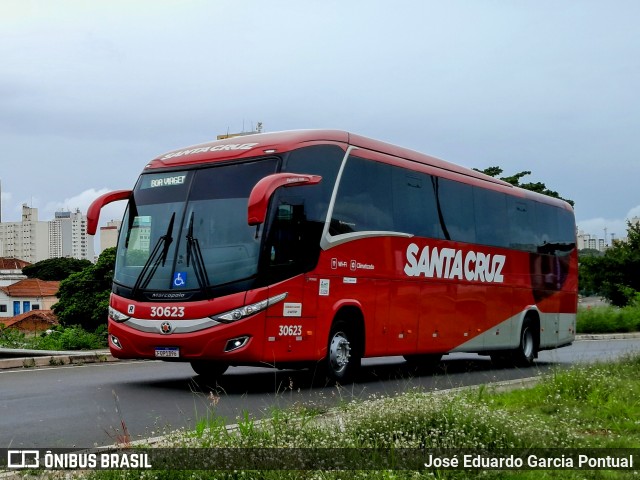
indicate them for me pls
(32, 240)
(68, 236)
(26, 240)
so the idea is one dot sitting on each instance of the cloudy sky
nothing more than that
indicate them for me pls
(92, 90)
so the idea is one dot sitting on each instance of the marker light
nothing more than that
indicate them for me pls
(248, 310)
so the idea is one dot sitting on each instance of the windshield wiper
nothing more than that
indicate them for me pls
(193, 249)
(158, 256)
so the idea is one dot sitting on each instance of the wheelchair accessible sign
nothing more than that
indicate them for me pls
(179, 279)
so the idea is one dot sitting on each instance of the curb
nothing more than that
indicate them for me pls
(40, 358)
(608, 336)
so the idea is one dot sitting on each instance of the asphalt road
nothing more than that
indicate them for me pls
(97, 404)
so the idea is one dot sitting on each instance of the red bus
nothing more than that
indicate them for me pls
(323, 247)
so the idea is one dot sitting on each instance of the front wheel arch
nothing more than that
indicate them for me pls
(345, 345)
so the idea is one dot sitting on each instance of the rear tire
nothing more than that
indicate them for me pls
(343, 355)
(525, 354)
(209, 369)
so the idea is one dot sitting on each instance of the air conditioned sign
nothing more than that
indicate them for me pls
(450, 263)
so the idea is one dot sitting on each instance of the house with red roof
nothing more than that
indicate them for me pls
(11, 270)
(27, 295)
(34, 321)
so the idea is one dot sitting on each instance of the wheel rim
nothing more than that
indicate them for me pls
(339, 352)
(527, 343)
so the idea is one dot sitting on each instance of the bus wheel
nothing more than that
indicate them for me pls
(524, 355)
(209, 369)
(343, 357)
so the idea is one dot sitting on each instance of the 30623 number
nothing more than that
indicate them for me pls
(164, 312)
(290, 330)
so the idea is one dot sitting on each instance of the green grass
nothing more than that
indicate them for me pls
(608, 319)
(584, 407)
(59, 338)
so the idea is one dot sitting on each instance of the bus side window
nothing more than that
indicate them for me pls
(364, 201)
(455, 203)
(414, 204)
(490, 214)
(521, 224)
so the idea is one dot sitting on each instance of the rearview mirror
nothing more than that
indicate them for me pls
(261, 193)
(93, 214)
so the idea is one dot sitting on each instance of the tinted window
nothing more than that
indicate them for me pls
(364, 201)
(455, 207)
(566, 228)
(556, 230)
(323, 160)
(414, 204)
(521, 215)
(232, 181)
(492, 226)
(297, 214)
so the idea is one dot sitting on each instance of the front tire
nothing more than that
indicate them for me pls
(343, 355)
(209, 369)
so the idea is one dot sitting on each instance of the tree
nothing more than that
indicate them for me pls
(84, 296)
(616, 274)
(514, 180)
(55, 268)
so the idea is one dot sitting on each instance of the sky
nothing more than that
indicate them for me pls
(91, 91)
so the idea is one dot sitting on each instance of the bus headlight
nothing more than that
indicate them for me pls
(248, 310)
(117, 316)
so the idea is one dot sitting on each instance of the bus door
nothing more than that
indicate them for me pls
(290, 329)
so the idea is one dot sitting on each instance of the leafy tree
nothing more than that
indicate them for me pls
(514, 180)
(84, 296)
(55, 268)
(616, 274)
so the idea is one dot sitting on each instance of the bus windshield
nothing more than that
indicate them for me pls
(187, 230)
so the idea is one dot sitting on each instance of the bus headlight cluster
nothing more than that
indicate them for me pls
(248, 310)
(117, 316)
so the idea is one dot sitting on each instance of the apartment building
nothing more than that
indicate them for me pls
(32, 240)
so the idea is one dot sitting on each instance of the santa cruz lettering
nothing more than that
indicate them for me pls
(451, 263)
(214, 148)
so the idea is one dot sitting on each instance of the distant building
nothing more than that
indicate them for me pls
(27, 240)
(11, 271)
(593, 242)
(32, 240)
(26, 295)
(68, 236)
(33, 322)
(109, 234)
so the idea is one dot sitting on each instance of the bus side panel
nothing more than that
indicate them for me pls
(377, 339)
(401, 329)
(437, 317)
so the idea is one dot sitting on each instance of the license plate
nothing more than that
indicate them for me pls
(167, 352)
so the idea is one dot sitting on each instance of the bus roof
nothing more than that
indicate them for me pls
(247, 146)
